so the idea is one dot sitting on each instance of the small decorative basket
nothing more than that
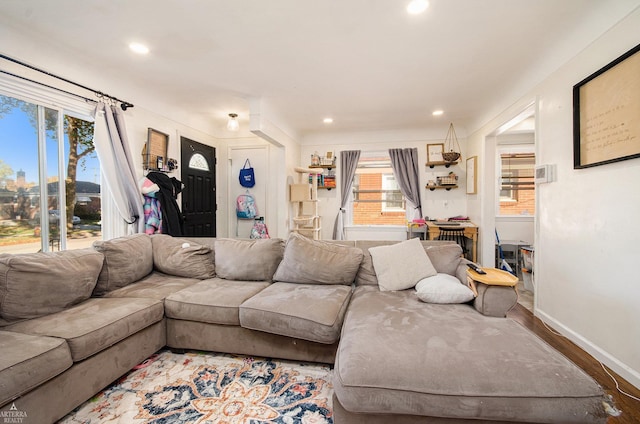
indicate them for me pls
(451, 179)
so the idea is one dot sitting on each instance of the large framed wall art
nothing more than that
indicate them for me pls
(606, 107)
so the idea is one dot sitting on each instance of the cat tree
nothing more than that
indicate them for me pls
(304, 197)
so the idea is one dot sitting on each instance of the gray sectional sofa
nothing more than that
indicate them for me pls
(73, 322)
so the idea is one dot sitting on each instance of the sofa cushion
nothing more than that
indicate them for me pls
(28, 361)
(154, 286)
(445, 257)
(309, 261)
(248, 260)
(126, 259)
(38, 284)
(443, 288)
(182, 258)
(95, 324)
(453, 363)
(303, 311)
(400, 266)
(214, 301)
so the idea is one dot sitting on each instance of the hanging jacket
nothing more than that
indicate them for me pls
(152, 216)
(170, 187)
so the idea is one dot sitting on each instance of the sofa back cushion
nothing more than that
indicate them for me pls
(182, 258)
(444, 255)
(248, 260)
(126, 260)
(37, 284)
(309, 261)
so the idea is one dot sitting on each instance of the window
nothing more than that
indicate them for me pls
(517, 185)
(392, 199)
(376, 196)
(40, 147)
(199, 162)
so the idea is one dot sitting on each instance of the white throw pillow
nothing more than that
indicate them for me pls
(443, 288)
(400, 266)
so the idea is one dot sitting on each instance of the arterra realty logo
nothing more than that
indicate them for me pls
(13, 415)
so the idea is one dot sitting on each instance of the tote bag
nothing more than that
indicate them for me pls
(247, 176)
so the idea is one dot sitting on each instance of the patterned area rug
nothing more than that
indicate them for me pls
(213, 388)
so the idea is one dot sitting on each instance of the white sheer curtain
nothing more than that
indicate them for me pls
(116, 162)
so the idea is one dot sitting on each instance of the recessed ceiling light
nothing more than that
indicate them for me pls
(417, 6)
(139, 48)
(328, 120)
(437, 112)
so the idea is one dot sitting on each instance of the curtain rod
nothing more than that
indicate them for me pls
(123, 104)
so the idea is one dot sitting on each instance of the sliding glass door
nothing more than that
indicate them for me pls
(49, 179)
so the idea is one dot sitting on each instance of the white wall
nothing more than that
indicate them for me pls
(515, 228)
(435, 204)
(284, 157)
(586, 231)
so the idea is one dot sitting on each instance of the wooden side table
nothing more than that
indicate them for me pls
(495, 291)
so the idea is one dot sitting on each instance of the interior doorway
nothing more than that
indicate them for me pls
(256, 157)
(199, 195)
(511, 204)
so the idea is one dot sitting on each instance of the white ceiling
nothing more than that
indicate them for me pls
(365, 63)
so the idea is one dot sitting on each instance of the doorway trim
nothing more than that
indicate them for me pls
(489, 180)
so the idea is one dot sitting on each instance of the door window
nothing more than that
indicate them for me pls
(199, 162)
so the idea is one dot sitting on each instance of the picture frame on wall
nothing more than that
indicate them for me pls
(606, 106)
(472, 175)
(434, 153)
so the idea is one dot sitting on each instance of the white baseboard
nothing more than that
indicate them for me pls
(623, 370)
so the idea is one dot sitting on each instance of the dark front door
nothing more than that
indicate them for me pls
(199, 194)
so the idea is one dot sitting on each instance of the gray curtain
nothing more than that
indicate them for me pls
(404, 163)
(116, 161)
(348, 165)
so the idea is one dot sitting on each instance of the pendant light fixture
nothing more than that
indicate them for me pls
(232, 123)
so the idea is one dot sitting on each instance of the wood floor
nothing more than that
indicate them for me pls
(630, 408)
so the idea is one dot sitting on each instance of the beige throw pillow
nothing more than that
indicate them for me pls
(400, 266)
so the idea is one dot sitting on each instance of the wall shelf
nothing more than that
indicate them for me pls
(323, 176)
(443, 163)
(440, 187)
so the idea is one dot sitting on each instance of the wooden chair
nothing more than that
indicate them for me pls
(456, 235)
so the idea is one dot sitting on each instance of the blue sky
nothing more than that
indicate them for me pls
(18, 149)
